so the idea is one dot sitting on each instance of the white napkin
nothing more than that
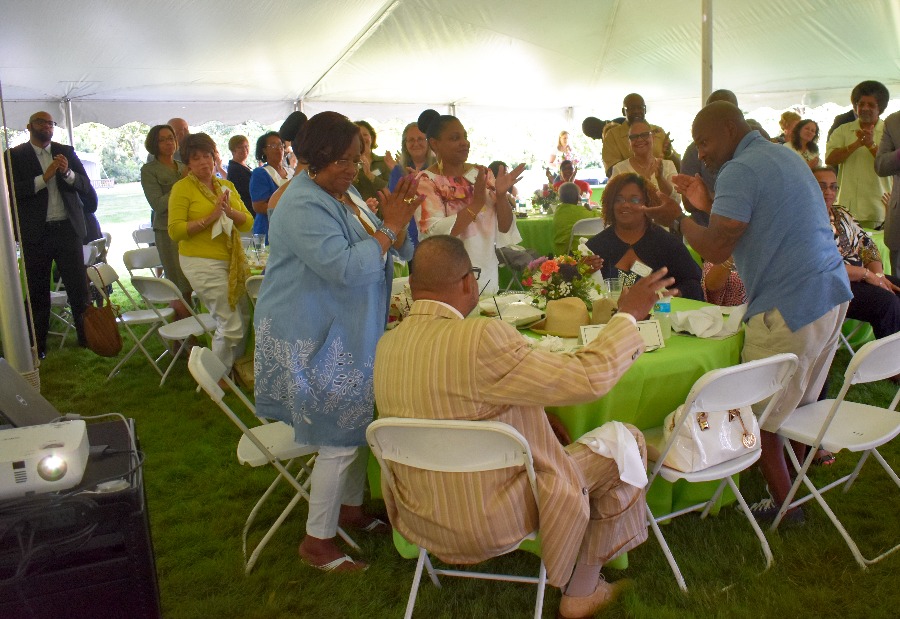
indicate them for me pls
(613, 440)
(708, 322)
(223, 225)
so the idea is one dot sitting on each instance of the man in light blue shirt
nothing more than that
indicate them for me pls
(769, 213)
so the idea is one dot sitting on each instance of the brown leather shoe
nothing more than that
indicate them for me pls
(587, 606)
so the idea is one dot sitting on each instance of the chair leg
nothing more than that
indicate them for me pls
(138, 345)
(767, 552)
(414, 590)
(713, 500)
(175, 357)
(665, 548)
(542, 584)
(856, 470)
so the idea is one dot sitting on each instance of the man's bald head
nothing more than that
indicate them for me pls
(180, 127)
(723, 94)
(633, 107)
(717, 130)
(440, 272)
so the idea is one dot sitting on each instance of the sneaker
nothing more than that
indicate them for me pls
(765, 511)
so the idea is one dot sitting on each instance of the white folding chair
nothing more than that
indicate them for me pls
(253, 284)
(838, 424)
(585, 227)
(270, 443)
(98, 250)
(103, 275)
(721, 390)
(144, 236)
(61, 312)
(142, 258)
(451, 446)
(157, 291)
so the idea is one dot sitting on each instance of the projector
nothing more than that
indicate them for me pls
(45, 458)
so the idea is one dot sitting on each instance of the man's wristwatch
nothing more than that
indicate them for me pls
(681, 216)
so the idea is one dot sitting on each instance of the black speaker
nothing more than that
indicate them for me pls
(85, 554)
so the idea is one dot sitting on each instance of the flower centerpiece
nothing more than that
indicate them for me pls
(544, 198)
(548, 279)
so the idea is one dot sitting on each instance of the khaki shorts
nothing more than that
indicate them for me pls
(814, 344)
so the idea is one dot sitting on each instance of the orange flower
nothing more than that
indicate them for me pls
(550, 266)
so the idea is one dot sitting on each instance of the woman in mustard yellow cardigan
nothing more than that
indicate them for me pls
(206, 216)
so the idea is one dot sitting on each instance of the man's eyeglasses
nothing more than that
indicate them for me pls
(476, 271)
(640, 136)
(42, 122)
(635, 200)
(347, 163)
(832, 186)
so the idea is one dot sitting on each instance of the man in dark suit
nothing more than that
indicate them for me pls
(51, 192)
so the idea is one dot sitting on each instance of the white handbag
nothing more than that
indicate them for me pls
(710, 438)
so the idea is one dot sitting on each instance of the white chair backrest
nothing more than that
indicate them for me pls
(141, 258)
(90, 253)
(157, 290)
(100, 246)
(585, 227)
(102, 275)
(876, 360)
(208, 370)
(450, 446)
(143, 236)
(254, 282)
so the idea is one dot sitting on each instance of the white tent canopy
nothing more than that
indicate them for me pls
(231, 61)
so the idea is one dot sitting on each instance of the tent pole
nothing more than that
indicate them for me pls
(13, 325)
(706, 50)
(69, 123)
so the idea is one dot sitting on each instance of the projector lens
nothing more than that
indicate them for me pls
(52, 468)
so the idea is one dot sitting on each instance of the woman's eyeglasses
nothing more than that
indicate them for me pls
(347, 164)
(640, 136)
(635, 200)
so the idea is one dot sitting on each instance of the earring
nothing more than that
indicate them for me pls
(312, 172)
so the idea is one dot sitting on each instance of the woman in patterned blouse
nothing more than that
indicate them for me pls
(875, 297)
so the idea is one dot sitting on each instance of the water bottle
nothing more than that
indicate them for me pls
(662, 314)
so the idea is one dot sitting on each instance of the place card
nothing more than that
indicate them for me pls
(649, 330)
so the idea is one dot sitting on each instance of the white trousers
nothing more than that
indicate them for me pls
(338, 478)
(209, 279)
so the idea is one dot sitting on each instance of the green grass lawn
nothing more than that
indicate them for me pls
(199, 497)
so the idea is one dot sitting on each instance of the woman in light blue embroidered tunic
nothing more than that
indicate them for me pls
(322, 307)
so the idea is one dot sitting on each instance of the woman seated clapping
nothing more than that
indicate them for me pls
(875, 297)
(631, 237)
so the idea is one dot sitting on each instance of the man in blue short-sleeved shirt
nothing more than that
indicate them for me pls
(768, 212)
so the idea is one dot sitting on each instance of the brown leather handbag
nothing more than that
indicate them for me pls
(100, 328)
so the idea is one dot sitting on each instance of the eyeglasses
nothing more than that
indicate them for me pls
(44, 122)
(166, 139)
(347, 163)
(640, 136)
(635, 200)
(278, 146)
(476, 271)
(832, 186)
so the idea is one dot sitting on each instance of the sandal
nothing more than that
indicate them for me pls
(374, 525)
(826, 459)
(341, 564)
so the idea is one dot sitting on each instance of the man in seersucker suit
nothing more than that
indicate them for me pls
(437, 365)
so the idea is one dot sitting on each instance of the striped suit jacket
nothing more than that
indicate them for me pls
(436, 366)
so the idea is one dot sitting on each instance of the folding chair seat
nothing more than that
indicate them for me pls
(103, 275)
(254, 282)
(720, 390)
(839, 424)
(269, 443)
(157, 291)
(452, 446)
(144, 236)
(585, 227)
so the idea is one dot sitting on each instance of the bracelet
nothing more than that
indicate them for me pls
(681, 216)
(472, 213)
(390, 234)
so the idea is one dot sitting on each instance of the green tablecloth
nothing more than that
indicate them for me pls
(537, 233)
(651, 389)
